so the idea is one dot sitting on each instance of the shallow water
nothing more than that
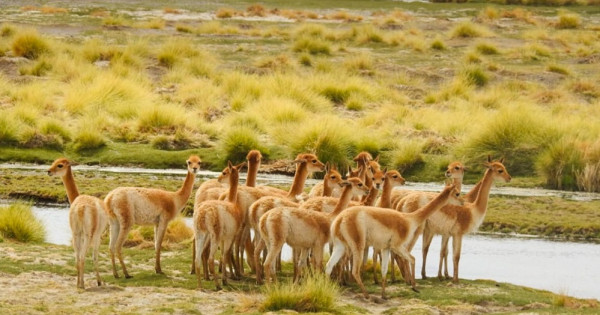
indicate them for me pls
(561, 267)
(283, 180)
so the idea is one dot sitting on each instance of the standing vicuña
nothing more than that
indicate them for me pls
(146, 206)
(384, 229)
(217, 223)
(87, 218)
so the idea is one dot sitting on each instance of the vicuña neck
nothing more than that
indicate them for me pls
(434, 205)
(252, 172)
(186, 190)
(233, 187)
(343, 202)
(484, 191)
(327, 189)
(371, 198)
(472, 194)
(457, 182)
(385, 201)
(299, 180)
(69, 182)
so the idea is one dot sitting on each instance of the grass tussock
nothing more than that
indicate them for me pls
(238, 141)
(8, 130)
(558, 69)
(313, 46)
(560, 163)
(18, 223)
(316, 293)
(437, 44)
(7, 30)
(568, 21)
(88, 139)
(177, 232)
(517, 133)
(161, 118)
(474, 75)
(469, 30)
(29, 44)
(486, 49)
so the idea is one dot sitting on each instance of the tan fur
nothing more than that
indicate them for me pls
(329, 186)
(87, 218)
(254, 158)
(305, 231)
(216, 224)
(384, 229)
(455, 220)
(146, 206)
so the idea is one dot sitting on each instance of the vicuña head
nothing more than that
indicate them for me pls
(312, 162)
(229, 171)
(193, 164)
(358, 187)
(254, 156)
(456, 170)
(498, 169)
(59, 167)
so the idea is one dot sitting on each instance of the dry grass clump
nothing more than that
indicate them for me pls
(519, 14)
(437, 44)
(474, 75)
(344, 15)
(29, 44)
(560, 163)
(281, 62)
(115, 21)
(469, 30)
(39, 68)
(237, 141)
(8, 130)
(486, 48)
(168, 10)
(53, 10)
(18, 222)
(156, 23)
(87, 139)
(316, 293)
(161, 118)
(256, 10)
(311, 45)
(558, 69)
(568, 20)
(7, 30)
(361, 63)
(585, 87)
(225, 13)
(174, 51)
(184, 28)
(407, 155)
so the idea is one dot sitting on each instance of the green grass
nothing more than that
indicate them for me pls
(568, 21)
(314, 294)
(18, 223)
(238, 141)
(313, 46)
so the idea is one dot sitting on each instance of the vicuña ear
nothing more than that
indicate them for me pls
(239, 166)
(300, 161)
(489, 158)
(502, 160)
(376, 158)
(327, 167)
(384, 170)
(72, 163)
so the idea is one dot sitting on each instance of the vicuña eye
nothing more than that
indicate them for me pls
(60, 165)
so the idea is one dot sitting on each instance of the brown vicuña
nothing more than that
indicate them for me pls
(254, 157)
(146, 206)
(305, 164)
(458, 220)
(384, 229)
(329, 186)
(216, 224)
(305, 231)
(87, 218)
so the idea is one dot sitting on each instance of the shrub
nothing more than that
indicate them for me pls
(313, 46)
(568, 21)
(30, 45)
(560, 163)
(315, 294)
(238, 141)
(88, 139)
(18, 222)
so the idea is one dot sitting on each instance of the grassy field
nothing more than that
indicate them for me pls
(41, 270)
(145, 83)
